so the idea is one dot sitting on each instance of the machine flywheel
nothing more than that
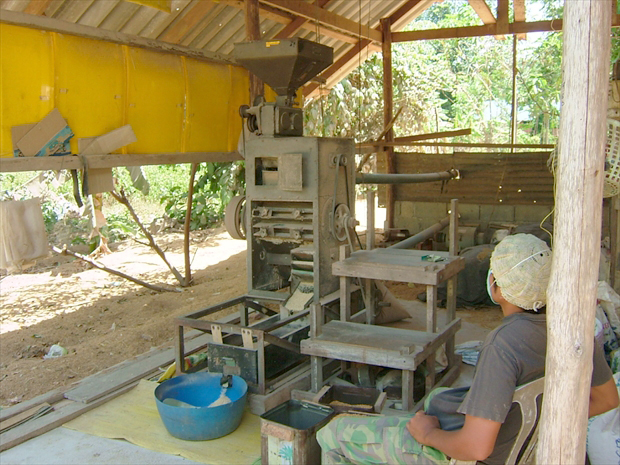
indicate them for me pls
(234, 217)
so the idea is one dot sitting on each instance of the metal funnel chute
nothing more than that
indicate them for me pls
(285, 65)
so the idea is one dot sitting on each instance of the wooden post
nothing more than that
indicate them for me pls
(572, 289)
(614, 206)
(252, 32)
(388, 97)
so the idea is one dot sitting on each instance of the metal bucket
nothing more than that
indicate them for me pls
(184, 403)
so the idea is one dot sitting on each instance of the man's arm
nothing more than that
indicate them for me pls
(475, 441)
(603, 398)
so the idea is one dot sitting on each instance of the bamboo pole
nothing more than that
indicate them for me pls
(572, 289)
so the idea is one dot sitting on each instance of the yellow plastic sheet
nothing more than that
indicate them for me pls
(133, 416)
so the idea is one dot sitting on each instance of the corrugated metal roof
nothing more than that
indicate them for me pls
(215, 26)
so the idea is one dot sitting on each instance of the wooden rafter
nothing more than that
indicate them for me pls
(398, 19)
(37, 7)
(519, 11)
(292, 27)
(325, 18)
(482, 9)
(184, 24)
(477, 31)
(484, 12)
(502, 16)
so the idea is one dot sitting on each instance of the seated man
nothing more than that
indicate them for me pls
(512, 355)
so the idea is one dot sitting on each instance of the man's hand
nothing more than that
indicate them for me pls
(421, 425)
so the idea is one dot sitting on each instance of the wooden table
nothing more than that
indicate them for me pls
(384, 346)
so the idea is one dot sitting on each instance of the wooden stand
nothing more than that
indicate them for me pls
(389, 347)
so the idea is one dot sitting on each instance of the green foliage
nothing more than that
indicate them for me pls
(119, 226)
(215, 185)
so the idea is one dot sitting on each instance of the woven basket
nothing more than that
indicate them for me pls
(612, 159)
(611, 185)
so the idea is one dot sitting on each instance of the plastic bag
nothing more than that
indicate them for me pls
(603, 442)
(22, 233)
(55, 352)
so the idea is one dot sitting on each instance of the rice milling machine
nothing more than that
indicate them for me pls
(298, 210)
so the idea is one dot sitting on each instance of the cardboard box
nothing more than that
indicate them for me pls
(99, 180)
(17, 132)
(47, 137)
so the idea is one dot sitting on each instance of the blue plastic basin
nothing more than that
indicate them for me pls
(200, 422)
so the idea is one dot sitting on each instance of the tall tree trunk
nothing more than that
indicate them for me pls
(577, 228)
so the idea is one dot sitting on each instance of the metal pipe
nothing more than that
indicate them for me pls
(366, 178)
(422, 235)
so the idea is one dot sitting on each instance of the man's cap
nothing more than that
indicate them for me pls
(521, 266)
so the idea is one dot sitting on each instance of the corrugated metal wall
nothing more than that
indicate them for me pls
(487, 178)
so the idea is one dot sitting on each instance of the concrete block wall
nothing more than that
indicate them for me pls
(417, 216)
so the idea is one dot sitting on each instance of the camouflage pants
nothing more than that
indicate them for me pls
(374, 440)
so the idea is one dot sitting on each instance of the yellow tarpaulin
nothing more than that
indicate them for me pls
(133, 416)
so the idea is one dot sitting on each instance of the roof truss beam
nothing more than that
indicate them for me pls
(325, 18)
(396, 18)
(476, 31)
(295, 25)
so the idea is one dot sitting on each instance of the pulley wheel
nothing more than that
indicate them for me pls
(234, 217)
(340, 219)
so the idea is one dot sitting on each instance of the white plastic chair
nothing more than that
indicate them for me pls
(525, 396)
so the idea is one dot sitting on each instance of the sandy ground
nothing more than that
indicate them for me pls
(102, 319)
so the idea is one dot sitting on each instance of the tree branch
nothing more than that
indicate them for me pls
(122, 198)
(101, 266)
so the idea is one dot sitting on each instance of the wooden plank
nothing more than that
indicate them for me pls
(571, 304)
(292, 27)
(105, 382)
(36, 7)
(53, 419)
(519, 14)
(476, 31)
(326, 18)
(11, 165)
(51, 24)
(502, 17)
(49, 397)
(388, 101)
(184, 23)
(483, 11)
(398, 265)
(475, 145)
(376, 345)
(23, 416)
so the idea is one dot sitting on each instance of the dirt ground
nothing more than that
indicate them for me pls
(102, 319)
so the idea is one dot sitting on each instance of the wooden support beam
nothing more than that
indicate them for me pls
(325, 18)
(571, 295)
(419, 137)
(352, 53)
(519, 14)
(477, 31)
(252, 32)
(12, 165)
(37, 7)
(388, 101)
(79, 30)
(502, 17)
(401, 17)
(184, 23)
(482, 9)
(292, 27)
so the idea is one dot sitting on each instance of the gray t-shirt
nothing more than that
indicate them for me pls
(513, 354)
